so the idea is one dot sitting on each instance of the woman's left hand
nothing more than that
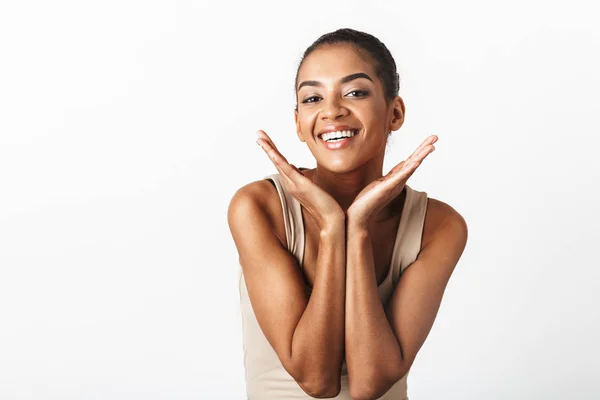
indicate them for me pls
(379, 193)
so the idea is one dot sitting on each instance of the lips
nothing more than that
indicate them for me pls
(336, 128)
(339, 143)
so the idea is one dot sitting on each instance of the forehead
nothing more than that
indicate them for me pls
(332, 62)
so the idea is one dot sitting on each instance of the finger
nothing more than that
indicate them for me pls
(397, 168)
(428, 141)
(419, 154)
(422, 151)
(405, 169)
(270, 146)
(427, 150)
(263, 135)
(285, 169)
(401, 176)
(277, 159)
(271, 151)
(418, 160)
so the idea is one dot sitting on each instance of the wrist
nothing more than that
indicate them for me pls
(357, 224)
(333, 225)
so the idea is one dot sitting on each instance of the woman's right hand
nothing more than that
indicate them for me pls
(320, 205)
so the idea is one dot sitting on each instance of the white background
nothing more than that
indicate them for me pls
(126, 127)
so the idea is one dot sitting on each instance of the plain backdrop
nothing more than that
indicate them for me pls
(127, 126)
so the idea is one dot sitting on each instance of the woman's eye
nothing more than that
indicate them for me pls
(359, 93)
(309, 100)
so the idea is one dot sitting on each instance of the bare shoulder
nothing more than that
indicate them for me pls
(257, 203)
(443, 222)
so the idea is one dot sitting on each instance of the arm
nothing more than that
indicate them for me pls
(372, 350)
(381, 344)
(307, 334)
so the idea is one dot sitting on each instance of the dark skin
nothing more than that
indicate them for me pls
(351, 213)
(383, 235)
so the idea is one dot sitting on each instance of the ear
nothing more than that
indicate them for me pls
(398, 111)
(298, 130)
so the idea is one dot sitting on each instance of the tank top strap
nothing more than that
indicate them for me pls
(410, 232)
(292, 217)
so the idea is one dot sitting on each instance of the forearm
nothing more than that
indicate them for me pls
(372, 351)
(318, 341)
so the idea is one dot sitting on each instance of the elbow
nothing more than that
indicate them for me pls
(367, 392)
(318, 380)
(319, 383)
(320, 389)
(375, 386)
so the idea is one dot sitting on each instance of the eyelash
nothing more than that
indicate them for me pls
(363, 93)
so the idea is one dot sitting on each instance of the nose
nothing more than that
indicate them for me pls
(333, 108)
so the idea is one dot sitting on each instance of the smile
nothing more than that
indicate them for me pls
(337, 140)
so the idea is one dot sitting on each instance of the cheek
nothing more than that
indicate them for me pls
(373, 122)
(377, 117)
(307, 120)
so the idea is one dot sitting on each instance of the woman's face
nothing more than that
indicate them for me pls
(337, 90)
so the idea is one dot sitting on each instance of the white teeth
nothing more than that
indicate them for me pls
(336, 135)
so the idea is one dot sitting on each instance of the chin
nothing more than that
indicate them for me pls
(340, 166)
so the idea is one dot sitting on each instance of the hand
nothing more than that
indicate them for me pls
(379, 193)
(324, 209)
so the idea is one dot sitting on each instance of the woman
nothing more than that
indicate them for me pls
(343, 269)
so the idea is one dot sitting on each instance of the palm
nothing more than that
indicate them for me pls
(369, 196)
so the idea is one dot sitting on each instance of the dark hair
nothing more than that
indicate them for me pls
(385, 66)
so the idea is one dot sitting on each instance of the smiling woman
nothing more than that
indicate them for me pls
(343, 269)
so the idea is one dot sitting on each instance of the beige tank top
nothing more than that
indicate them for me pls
(266, 379)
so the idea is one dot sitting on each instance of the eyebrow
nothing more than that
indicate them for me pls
(345, 79)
